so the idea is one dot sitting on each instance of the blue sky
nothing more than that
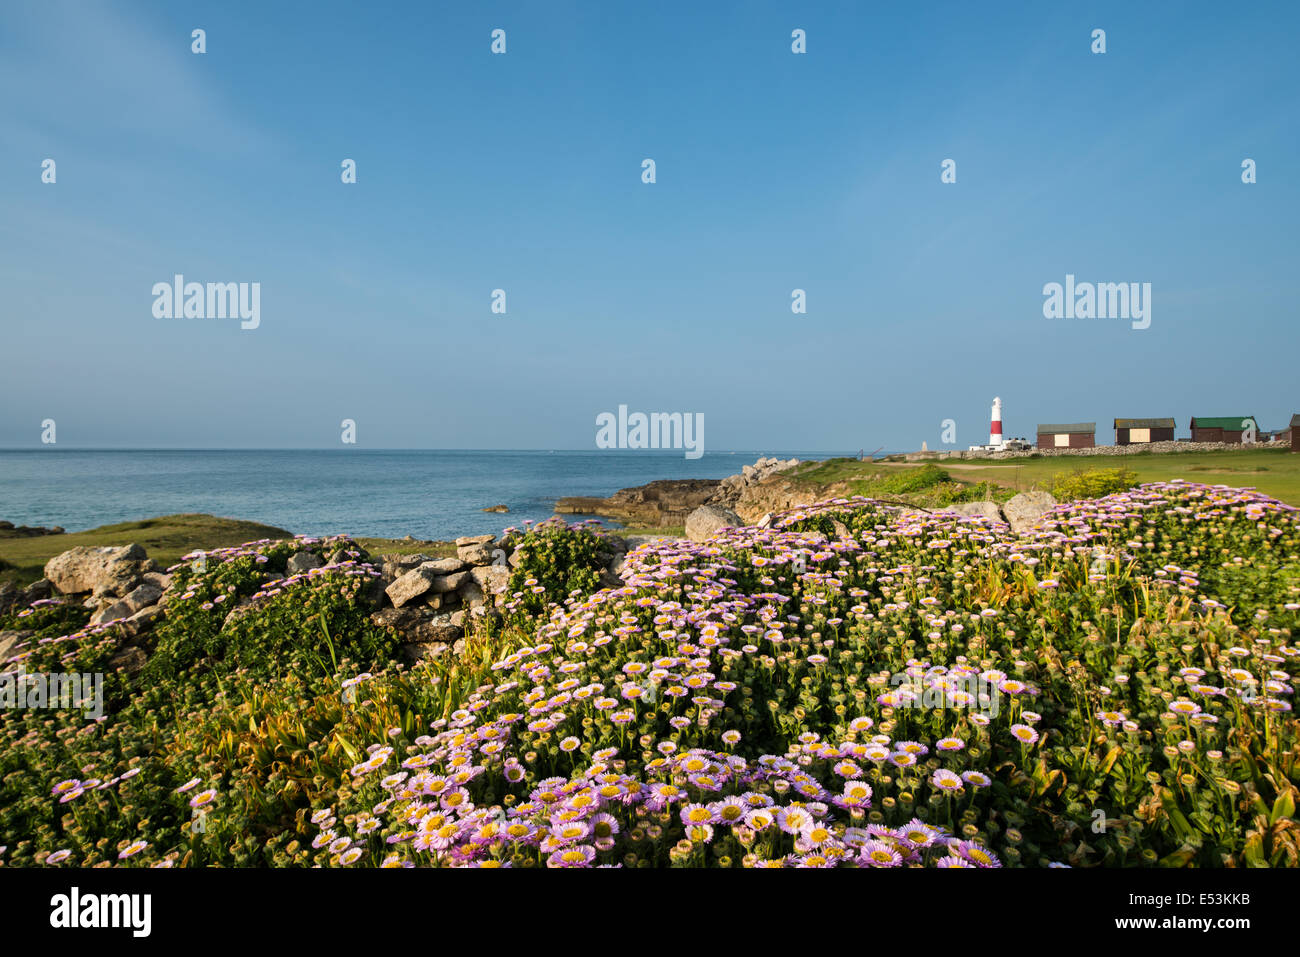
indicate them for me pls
(775, 171)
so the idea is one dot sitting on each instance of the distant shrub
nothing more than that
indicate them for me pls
(914, 480)
(956, 493)
(1091, 483)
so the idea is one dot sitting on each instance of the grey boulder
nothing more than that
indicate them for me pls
(703, 523)
(303, 562)
(104, 570)
(1027, 509)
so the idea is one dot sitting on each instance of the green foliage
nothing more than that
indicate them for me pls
(558, 560)
(765, 648)
(49, 619)
(1091, 483)
(913, 480)
(226, 617)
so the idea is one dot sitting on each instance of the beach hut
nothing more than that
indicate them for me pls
(1226, 428)
(1077, 435)
(1138, 431)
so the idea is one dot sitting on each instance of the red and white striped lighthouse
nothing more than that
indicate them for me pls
(995, 424)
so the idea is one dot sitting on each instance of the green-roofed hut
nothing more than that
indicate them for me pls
(1224, 428)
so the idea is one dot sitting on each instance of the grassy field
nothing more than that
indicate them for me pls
(166, 539)
(926, 484)
(1274, 472)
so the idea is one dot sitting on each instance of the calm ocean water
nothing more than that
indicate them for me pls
(427, 494)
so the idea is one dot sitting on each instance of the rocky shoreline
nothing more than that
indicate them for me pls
(429, 602)
(668, 503)
(10, 530)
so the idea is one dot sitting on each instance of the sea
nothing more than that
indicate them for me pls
(427, 494)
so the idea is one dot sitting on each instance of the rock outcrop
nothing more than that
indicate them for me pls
(705, 522)
(139, 598)
(100, 571)
(1024, 511)
(988, 510)
(732, 488)
(778, 494)
(9, 641)
(669, 502)
(121, 585)
(303, 562)
(10, 530)
(659, 504)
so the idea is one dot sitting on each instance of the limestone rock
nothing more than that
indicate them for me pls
(445, 583)
(471, 593)
(659, 504)
(491, 579)
(144, 620)
(395, 566)
(418, 625)
(245, 608)
(733, 487)
(9, 641)
(130, 659)
(38, 590)
(410, 586)
(703, 523)
(987, 510)
(478, 554)
(303, 562)
(105, 570)
(116, 611)
(1025, 510)
(444, 566)
(142, 596)
(162, 580)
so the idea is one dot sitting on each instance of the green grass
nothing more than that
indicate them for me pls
(1274, 472)
(926, 485)
(166, 539)
(837, 470)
